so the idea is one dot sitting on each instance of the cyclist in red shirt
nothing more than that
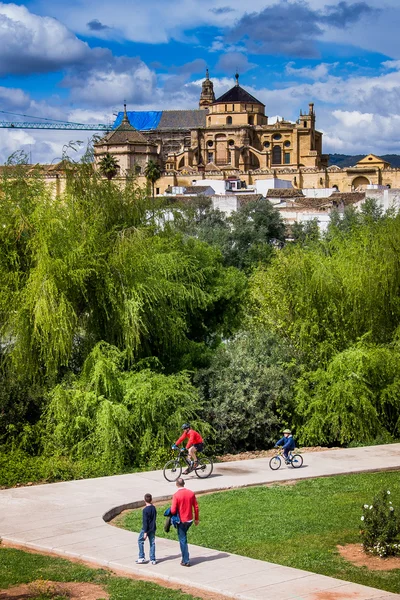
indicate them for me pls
(195, 444)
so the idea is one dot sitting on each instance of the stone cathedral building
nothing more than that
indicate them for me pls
(228, 137)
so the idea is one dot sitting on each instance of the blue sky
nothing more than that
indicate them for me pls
(79, 61)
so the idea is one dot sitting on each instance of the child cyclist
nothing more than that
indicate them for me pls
(195, 444)
(287, 442)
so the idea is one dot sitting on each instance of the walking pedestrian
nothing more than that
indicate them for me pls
(148, 531)
(184, 504)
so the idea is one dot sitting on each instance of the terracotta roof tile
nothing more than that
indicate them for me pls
(284, 193)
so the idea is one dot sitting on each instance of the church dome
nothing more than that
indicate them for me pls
(237, 94)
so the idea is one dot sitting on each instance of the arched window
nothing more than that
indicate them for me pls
(229, 120)
(276, 155)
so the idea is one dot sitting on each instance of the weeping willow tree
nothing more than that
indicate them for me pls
(337, 303)
(356, 398)
(91, 267)
(327, 296)
(120, 418)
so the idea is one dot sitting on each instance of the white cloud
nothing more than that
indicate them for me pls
(113, 84)
(30, 43)
(353, 118)
(318, 72)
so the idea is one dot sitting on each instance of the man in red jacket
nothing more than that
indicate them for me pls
(195, 444)
(184, 504)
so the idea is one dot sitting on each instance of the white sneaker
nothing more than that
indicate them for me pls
(141, 561)
(153, 562)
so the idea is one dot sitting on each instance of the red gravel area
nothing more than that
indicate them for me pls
(355, 554)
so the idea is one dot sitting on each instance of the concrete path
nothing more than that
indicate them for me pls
(68, 519)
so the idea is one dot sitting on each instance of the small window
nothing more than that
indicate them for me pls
(157, 191)
(287, 158)
(226, 108)
(210, 156)
(231, 142)
(305, 123)
(233, 108)
(229, 120)
(209, 120)
(250, 120)
(287, 144)
(267, 144)
(276, 136)
(209, 143)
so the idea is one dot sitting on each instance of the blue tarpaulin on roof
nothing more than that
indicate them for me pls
(142, 120)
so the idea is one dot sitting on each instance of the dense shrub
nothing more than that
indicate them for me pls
(247, 391)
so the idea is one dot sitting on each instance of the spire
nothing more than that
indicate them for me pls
(207, 75)
(125, 118)
(237, 78)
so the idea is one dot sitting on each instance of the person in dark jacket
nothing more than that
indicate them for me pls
(287, 442)
(148, 531)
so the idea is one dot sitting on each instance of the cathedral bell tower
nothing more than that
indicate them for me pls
(207, 96)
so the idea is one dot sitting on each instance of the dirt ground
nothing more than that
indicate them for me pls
(55, 589)
(355, 554)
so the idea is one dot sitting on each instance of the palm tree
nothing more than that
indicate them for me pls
(108, 166)
(152, 173)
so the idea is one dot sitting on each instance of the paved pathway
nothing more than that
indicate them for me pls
(68, 519)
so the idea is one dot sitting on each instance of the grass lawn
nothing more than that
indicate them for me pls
(18, 567)
(296, 525)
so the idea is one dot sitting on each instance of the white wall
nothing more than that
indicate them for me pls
(318, 192)
(387, 198)
(263, 185)
(293, 216)
(227, 203)
(218, 185)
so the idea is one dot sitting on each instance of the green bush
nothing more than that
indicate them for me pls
(18, 467)
(380, 526)
(247, 391)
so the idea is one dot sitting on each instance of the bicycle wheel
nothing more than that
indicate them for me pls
(172, 470)
(297, 461)
(205, 467)
(275, 463)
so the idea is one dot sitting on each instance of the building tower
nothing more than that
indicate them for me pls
(207, 96)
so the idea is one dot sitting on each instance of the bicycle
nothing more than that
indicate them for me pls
(296, 460)
(173, 468)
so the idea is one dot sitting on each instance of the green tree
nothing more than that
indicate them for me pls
(120, 418)
(304, 232)
(86, 268)
(247, 390)
(152, 173)
(246, 238)
(108, 166)
(356, 398)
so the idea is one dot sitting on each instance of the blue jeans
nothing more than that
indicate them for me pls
(182, 536)
(151, 536)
